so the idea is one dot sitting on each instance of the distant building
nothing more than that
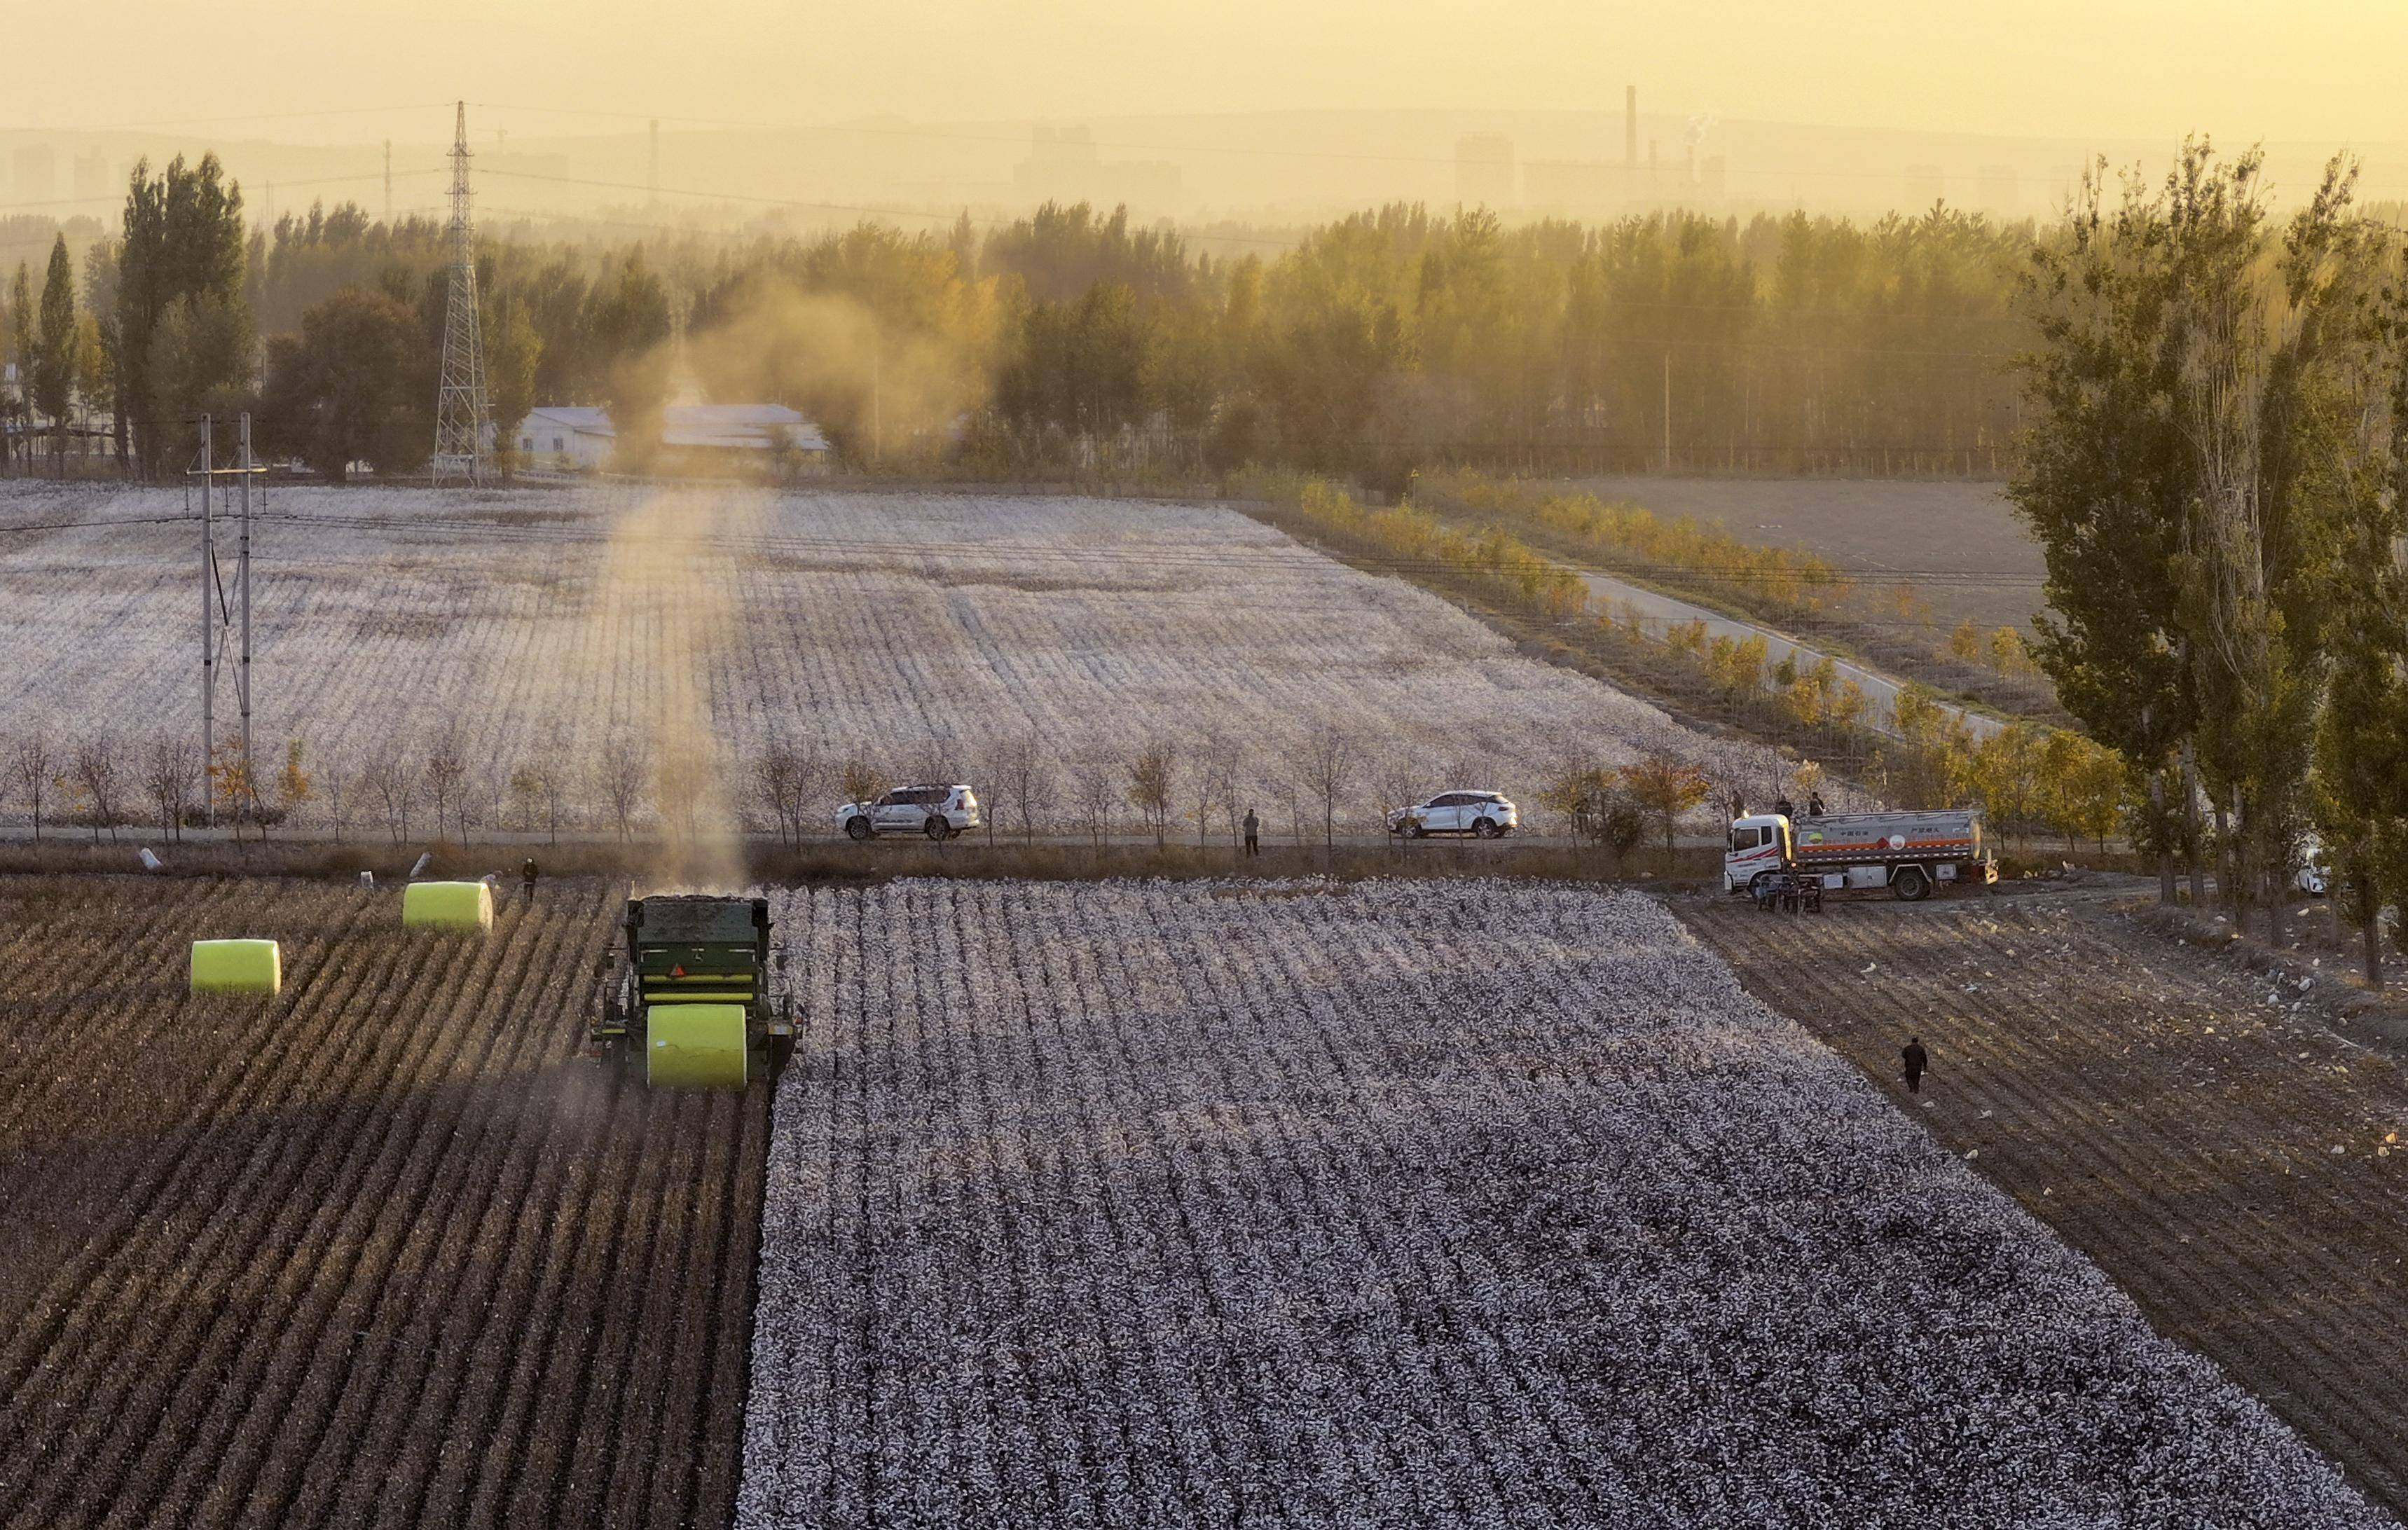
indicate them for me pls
(701, 438)
(566, 437)
(36, 174)
(2000, 193)
(1063, 167)
(1484, 171)
(95, 178)
(1573, 185)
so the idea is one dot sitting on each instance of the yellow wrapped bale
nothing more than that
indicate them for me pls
(447, 906)
(236, 966)
(694, 1046)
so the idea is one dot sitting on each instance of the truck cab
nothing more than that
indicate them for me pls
(1759, 843)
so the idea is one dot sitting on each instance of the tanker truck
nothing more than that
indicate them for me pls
(1908, 852)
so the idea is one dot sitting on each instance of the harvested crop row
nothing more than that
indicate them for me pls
(2173, 1118)
(1429, 1204)
(379, 1250)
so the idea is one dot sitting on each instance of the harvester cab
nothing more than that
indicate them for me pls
(697, 997)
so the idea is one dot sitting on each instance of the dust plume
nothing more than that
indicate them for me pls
(883, 383)
(665, 602)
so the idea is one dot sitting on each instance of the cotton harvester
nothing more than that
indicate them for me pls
(697, 997)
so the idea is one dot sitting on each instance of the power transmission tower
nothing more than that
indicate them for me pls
(225, 621)
(460, 414)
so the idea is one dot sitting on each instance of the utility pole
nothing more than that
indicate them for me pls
(242, 583)
(225, 624)
(209, 628)
(460, 411)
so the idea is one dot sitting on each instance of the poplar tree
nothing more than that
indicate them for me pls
(54, 347)
(2105, 479)
(21, 345)
(184, 327)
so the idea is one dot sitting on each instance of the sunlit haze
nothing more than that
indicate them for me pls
(2136, 68)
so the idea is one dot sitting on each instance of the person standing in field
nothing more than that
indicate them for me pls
(1916, 1061)
(1254, 828)
(527, 878)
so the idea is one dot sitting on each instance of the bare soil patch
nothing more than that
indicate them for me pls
(2212, 1137)
(1958, 543)
(378, 1251)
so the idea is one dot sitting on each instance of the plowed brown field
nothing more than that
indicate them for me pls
(379, 1250)
(2226, 1158)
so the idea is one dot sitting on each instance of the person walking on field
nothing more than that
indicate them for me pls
(527, 878)
(1254, 828)
(1916, 1061)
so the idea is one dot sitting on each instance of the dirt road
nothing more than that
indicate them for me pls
(1658, 613)
(2231, 1158)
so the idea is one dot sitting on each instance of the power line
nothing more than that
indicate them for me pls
(859, 209)
(119, 197)
(250, 117)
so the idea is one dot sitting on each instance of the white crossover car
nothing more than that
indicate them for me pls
(1486, 814)
(937, 811)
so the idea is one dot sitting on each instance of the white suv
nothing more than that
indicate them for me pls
(937, 811)
(1484, 813)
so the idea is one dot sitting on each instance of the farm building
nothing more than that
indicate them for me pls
(701, 438)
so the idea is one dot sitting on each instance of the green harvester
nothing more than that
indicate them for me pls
(697, 998)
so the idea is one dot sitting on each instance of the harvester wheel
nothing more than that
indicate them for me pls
(940, 828)
(857, 828)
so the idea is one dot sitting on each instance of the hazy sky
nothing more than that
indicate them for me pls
(2152, 69)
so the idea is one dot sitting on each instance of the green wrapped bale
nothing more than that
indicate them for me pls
(236, 966)
(447, 906)
(694, 1046)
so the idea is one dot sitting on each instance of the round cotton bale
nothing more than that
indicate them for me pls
(447, 906)
(694, 1046)
(236, 966)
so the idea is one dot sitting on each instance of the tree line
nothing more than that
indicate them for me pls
(2216, 469)
(1069, 339)
(1324, 783)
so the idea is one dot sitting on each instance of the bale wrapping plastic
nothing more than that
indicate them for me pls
(694, 1046)
(447, 906)
(236, 966)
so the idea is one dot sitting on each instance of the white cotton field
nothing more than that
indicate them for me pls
(913, 632)
(1411, 1204)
